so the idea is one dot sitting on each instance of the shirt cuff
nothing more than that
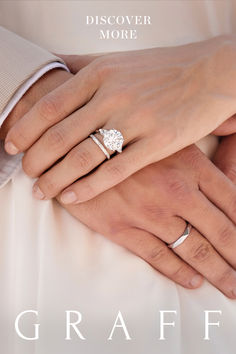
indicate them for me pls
(26, 86)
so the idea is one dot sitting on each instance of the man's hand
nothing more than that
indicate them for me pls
(44, 85)
(149, 209)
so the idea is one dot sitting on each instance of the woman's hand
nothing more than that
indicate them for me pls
(161, 100)
(150, 209)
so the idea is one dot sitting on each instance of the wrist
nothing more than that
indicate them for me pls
(44, 85)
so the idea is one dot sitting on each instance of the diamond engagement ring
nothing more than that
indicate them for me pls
(182, 238)
(112, 139)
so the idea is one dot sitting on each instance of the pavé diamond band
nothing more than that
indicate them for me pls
(106, 153)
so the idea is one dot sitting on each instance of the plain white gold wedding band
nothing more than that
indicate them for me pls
(182, 238)
(106, 153)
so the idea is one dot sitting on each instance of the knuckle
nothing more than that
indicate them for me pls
(178, 187)
(202, 253)
(157, 254)
(230, 172)
(80, 158)
(154, 212)
(55, 137)
(102, 67)
(48, 108)
(225, 236)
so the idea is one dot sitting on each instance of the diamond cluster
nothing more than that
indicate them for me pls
(112, 139)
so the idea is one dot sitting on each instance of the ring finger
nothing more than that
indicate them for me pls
(197, 252)
(202, 256)
(81, 160)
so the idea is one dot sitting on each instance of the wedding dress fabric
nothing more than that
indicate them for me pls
(51, 263)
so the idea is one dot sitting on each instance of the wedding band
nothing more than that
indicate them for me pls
(182, 238)
(106, 153)
(112, 139)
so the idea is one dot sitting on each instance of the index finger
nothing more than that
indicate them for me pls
(51, 109)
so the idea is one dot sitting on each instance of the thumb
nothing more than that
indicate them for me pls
(77, 62)
(225, 157)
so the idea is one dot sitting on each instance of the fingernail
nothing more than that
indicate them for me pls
(68, 197)
(196, 281)
(37, 193)
(11, 148)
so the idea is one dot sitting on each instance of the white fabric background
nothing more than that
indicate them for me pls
(51, 263)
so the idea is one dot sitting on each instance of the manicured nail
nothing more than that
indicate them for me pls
(37, 193)
(11, 148)
(196, 281)
(68, 197)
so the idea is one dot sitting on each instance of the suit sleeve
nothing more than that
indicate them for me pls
(22, 63)
(19, 61)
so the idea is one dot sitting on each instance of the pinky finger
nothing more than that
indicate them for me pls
(159, 256)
